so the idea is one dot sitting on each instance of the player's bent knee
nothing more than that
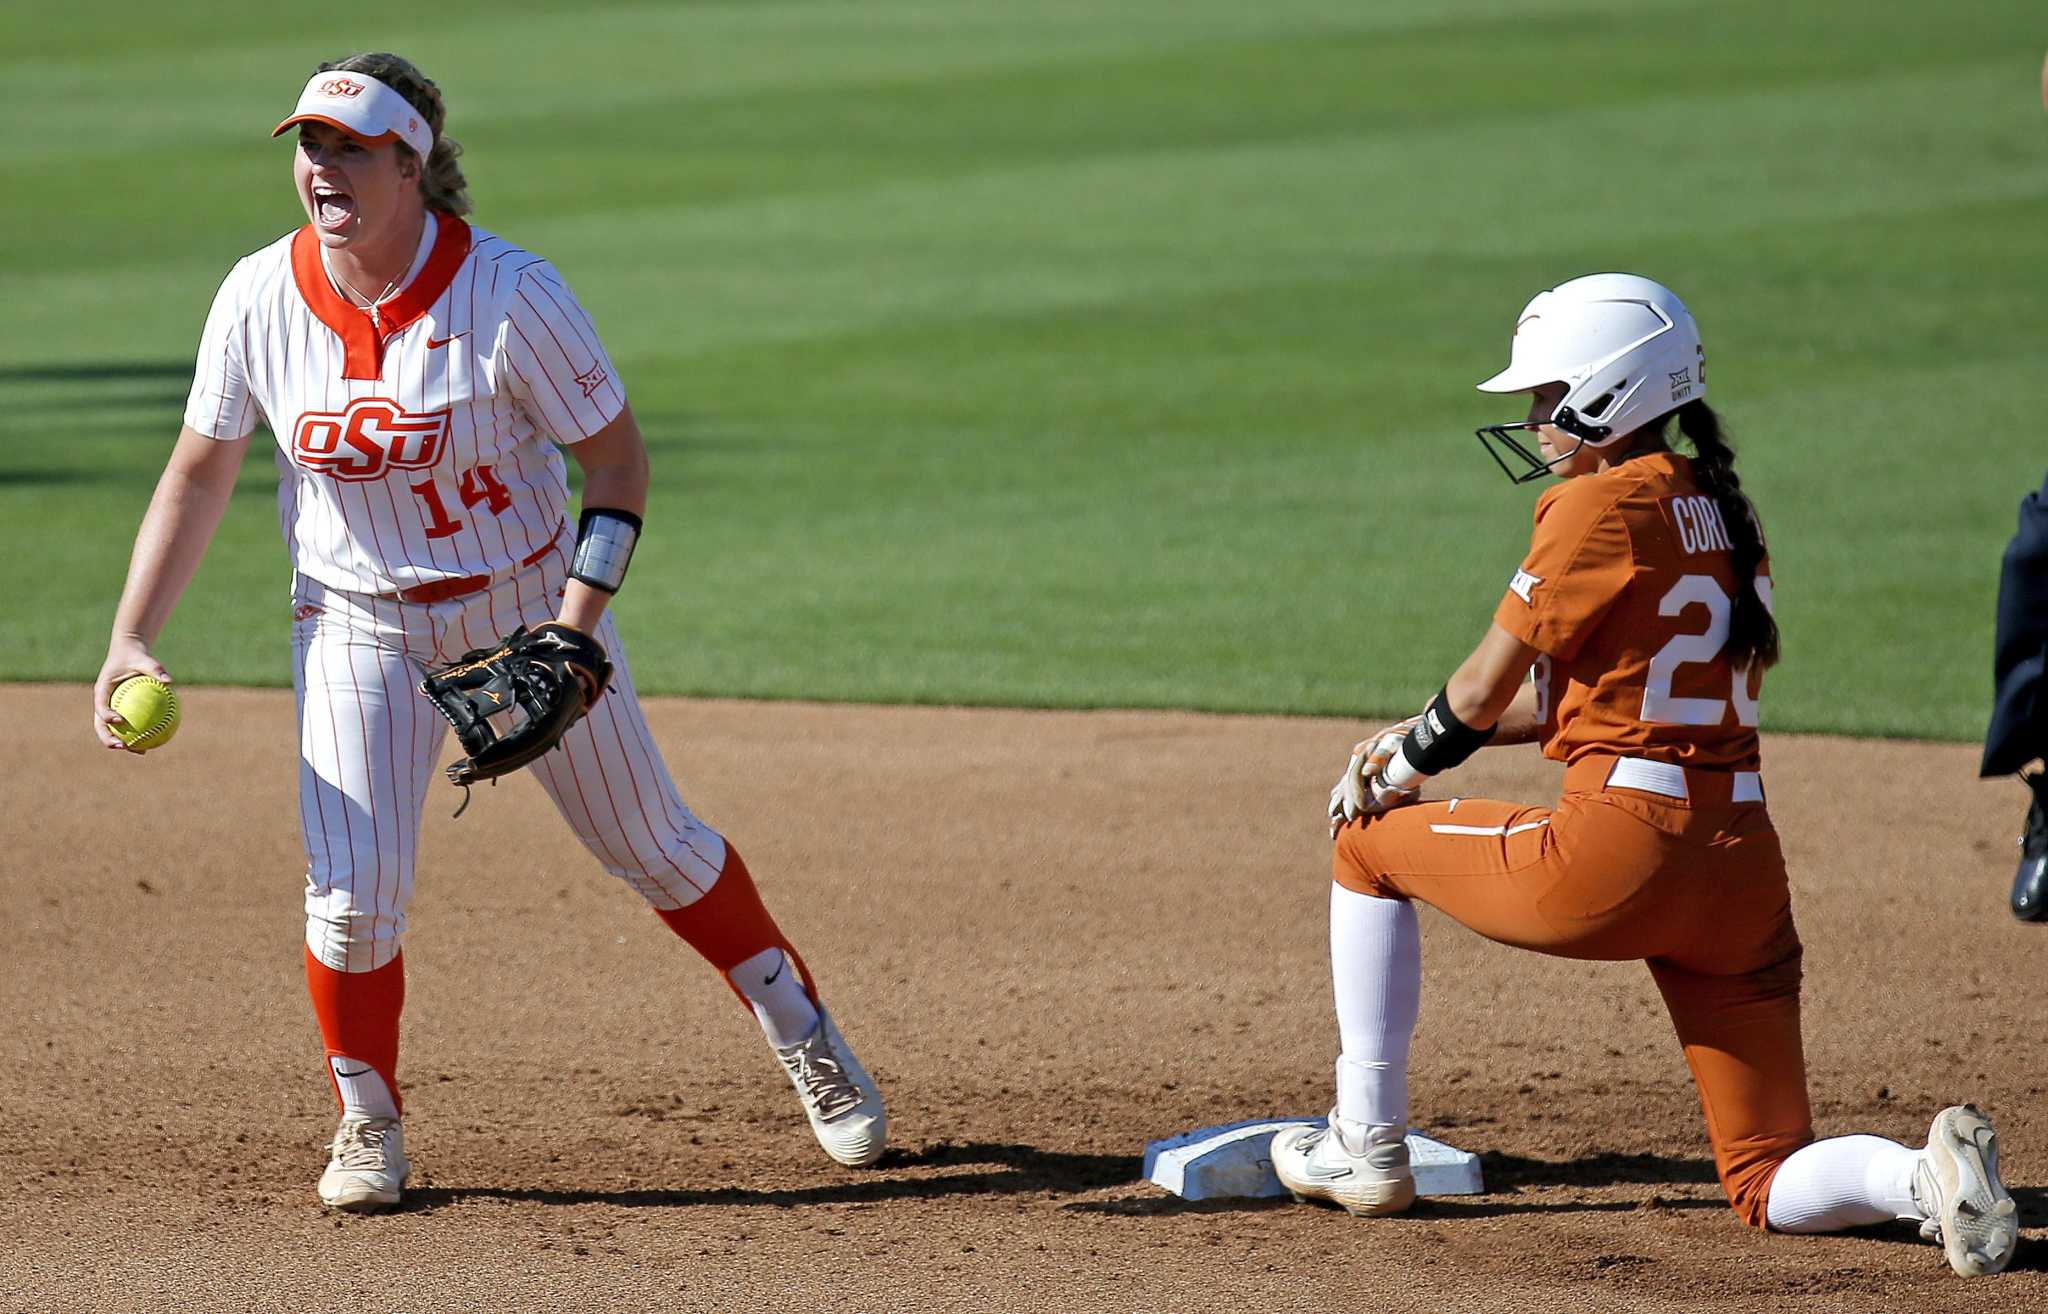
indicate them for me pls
(1750, 1195)
(1352, 866)
(668, 874)
(1747, 1172)
(662, 895)
(350, 939)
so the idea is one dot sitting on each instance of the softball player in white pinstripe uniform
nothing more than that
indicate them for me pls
(418, 375)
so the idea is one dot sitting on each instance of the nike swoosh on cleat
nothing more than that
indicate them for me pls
(772, 976)
(1327, 1174)
(357, 1073)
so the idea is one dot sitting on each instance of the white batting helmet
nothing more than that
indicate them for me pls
(1625, 348)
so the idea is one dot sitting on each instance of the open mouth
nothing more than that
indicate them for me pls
(332, 207)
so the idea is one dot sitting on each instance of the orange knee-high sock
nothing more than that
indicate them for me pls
(358, 1014)
(730, 924)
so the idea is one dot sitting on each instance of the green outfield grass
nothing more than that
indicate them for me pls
(1068, 353)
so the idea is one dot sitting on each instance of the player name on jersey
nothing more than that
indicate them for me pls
(1699, 524)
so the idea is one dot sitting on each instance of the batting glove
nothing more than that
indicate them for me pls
(1360, 792)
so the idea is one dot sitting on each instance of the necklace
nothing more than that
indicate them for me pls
(366, 303)
(371, 304)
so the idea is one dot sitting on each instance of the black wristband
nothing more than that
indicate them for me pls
(1440, 740)
(605, 538)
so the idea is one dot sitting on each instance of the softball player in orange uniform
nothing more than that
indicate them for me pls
(422, 379)
(1641, 619)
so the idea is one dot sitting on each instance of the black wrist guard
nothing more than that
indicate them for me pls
(604, 547)
(1440, 740)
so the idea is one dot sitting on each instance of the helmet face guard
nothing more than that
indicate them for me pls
(1500, 443)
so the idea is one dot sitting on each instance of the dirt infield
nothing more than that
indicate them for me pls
(1053, 937)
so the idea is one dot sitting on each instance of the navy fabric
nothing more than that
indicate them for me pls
(2019, 710)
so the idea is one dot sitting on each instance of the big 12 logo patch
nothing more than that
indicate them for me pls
(372, 436)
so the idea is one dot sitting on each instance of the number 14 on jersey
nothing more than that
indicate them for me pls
(478, 486)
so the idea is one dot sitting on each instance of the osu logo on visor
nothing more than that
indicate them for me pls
(372, 436)
(341, 88)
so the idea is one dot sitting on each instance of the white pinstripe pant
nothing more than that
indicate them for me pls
(369, 741)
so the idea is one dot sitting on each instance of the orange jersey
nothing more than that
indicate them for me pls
(1626, 591)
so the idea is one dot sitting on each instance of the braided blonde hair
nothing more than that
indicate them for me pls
(441, 182)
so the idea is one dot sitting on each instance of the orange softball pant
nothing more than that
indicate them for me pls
(1694, 887)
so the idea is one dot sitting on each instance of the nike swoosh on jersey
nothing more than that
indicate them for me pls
(433, 342)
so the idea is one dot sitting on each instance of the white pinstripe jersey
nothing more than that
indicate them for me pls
(420, 452)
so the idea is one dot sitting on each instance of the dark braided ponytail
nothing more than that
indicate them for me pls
(1752, 633)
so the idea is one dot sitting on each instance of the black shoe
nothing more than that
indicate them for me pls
(2030, 886)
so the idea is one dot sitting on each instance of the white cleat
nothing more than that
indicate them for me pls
(1335, 1165)
(1968, 1209)
(839, 1097)
(368, 1168)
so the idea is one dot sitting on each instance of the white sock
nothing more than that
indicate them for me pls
(1845, 1181)
(1376, 966)
(363, 1092)
(770, 983)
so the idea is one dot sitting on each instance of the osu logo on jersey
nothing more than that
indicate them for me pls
(341, 88)
(373, 435)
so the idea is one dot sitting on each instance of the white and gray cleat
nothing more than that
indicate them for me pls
(1336, 1165)
(368, 1168)
(839, 1097)
(1968, 1209)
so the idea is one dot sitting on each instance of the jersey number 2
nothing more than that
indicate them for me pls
(1659, 703)
(479, 485)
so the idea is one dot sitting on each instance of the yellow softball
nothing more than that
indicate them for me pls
(149, 712)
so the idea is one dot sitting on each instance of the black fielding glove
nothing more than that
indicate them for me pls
(514, 702)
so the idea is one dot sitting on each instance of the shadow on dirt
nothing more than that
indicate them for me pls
(1005, 1170)
(1162, 1206)
(1437, 1208)
(2033, 1255)
(1487, 1206)
(1505, 1174)
(1507, 1171)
